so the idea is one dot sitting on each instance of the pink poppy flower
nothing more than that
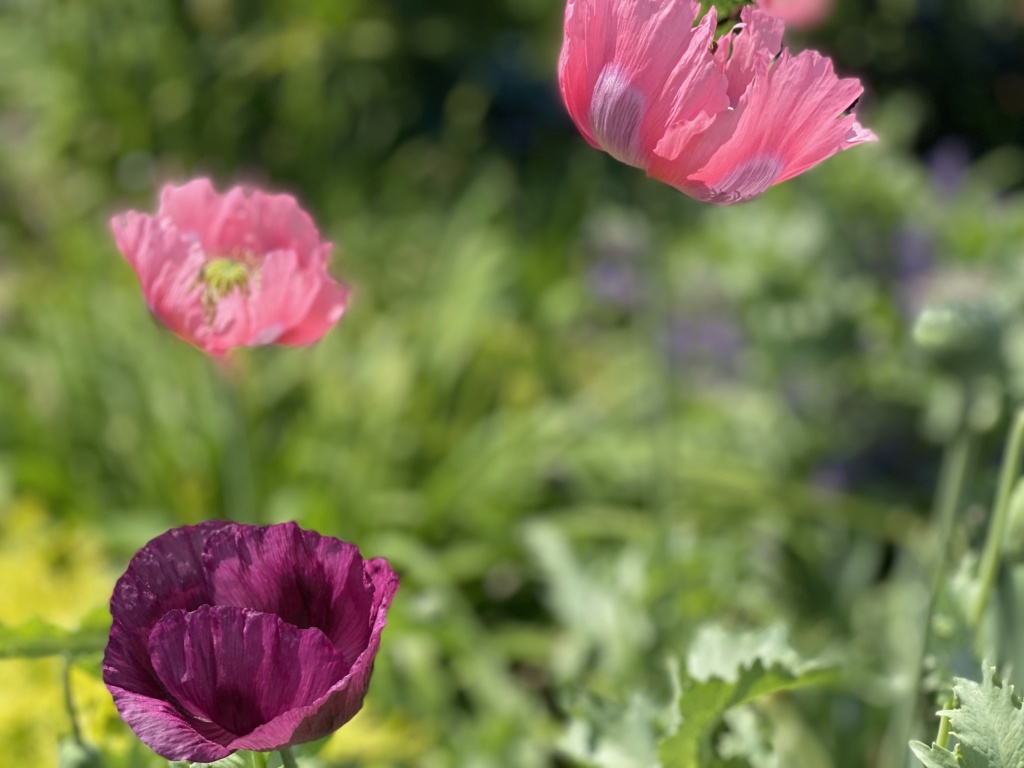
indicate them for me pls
(800, 14)
(242, 269)
(720, 122)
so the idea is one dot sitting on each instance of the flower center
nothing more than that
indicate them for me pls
(221, 276)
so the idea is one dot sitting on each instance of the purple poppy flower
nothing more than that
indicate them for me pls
(231, 637)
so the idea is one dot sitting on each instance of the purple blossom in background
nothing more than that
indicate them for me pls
(230, 637)
(714, 339)
(914, 264)
(620, 244)
(948, 164)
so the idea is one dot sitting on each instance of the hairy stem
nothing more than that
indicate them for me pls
(1008, 474)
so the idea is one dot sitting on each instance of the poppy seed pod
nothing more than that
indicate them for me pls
(229, 637)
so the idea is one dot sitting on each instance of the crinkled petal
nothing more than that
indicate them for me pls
(327, 308)
(792, 121)
(789, 118)
(241, 669)
(165, 730)
(164, 575)
(189, 206)
(307, 579)
(282, 297)
(340, 705)
(286, 303)
(630, 68)
(159, 252)
(721, 121)
(749, 50)
(245, 220)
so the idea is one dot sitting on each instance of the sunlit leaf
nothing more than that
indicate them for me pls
(727, 669)
(988, 723)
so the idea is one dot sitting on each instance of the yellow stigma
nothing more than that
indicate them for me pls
(219, 277)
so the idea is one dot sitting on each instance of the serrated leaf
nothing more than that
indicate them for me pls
(988, 722)
(726, 670)
(934, 757)
(36, 638)
(605, 734)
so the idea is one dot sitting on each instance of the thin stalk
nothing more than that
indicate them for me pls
(1008, 474)
(951, 483)
(942, 737)
(69, 702)
(658, 328)
(288, 759)
(952, 477)
(236, 474)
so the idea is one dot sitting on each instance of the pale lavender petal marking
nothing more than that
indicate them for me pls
(616, 113)
(268, 335)
(747, 180)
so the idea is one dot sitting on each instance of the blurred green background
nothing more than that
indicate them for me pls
(581, 414)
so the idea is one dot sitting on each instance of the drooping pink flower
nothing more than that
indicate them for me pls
(224, 271)
(720, 122)
(799, 14)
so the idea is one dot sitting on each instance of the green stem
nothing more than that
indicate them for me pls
(288, 759)
(952, 476)
(663, 432)
(951, 485)
(237, 487)
(1009, 472)
(942, 738)
(69, 701)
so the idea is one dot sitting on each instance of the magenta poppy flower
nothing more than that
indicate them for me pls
(231, 637)
(720, 122)
(238, 270)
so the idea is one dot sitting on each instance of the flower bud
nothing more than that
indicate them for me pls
(961, 335)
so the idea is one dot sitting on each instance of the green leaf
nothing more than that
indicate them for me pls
(988, 722)
(936, 757)
(73, 754)
(728, 12)
(36, 638)
(606, 734)
(725, 670)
